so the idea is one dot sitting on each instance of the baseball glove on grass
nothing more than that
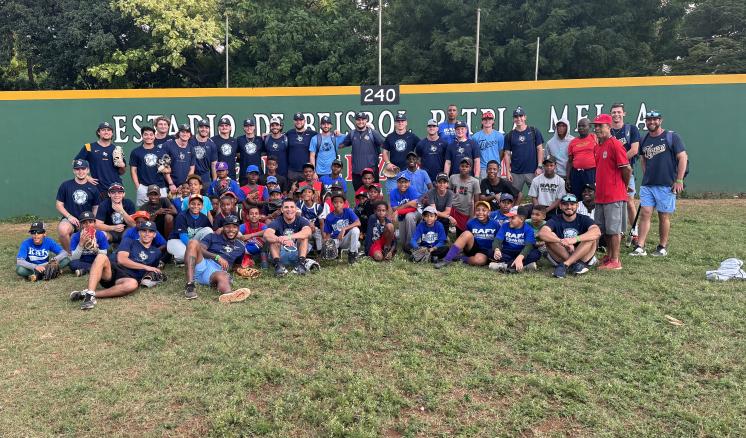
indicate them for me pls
(152, 279)
(329, 250)
(51, 271)
(247, 272)
(421, 255)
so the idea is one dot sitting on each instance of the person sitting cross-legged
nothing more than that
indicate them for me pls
(514, 245)
(34, 258)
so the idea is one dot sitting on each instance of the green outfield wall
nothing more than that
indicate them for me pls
(42, 131)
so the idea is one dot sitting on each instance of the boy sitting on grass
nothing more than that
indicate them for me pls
(34, 254)
(380, 236)
(475, 241)
(538, 220)
(514, 244)
(430, 234)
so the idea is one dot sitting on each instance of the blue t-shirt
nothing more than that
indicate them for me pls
(206, 205)
(564, 229)
(661, 164)
(627, 134)
(432, 155)
(484, 232)
(146, 162)
(160, 141)
(77, 198)
(399, 145)
(227, 148)
(418, 180)
(327, 182)
(186, 223)
(107, 215)
(38, 255)
(278, 148)
(311, 213)
(458, 150)
(429, 237)
(334, 223)
(499, 218)
(298, 148)
(205, 153)
(490, 146)
(515, 239)
(230, 250)
(181, 160)
(398, 198)
(522, 146)
(87, 256)
(101, 164)
(137, 252)
(250, 152)
(374, 231)
(325, 148)
(134, 234)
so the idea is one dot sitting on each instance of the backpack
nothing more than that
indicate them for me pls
(669, 142)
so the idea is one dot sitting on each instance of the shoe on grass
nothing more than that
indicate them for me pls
(660, 251)
(578, 268)
(498, 266)
(638, 252)
(280, 270)
(235, 296)
(78, 295)
(89, 301)
(442, 264)
(190, 291)
(560, 271)
(611, 265)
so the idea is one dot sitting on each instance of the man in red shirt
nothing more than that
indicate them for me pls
(581, 161)
(612, 180)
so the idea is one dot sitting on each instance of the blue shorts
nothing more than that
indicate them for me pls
(252, 248)
(659, 197)
(204, 270)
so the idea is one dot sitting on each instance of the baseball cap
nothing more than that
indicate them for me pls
(146, 128)
(229, 194)
(412, 153)
(602, 119)
(375, 187)
(248, 122)
(80, 164)
(569, 198)
(465, 159)
(361, 115)
(402, 176)
(519, 112)
(549, 159)
(222, 165)
(147, 225)
(37, 227)
(275, 190)
(197, 197)
(231, 219)
(193, 176)
(309, 166)
(400, 117)
(336, 185)
(506, 197)
(304, 188)
(336, 162)
(86, 216)
(488, 115)
(252, 168)
(140, 214)
(430, 209)
(271, 179)
(484, 204)
(104, 125)
(224, 121)
(275, 120)
(653, 114)
(116, 187)
(185, 127)
(338, 195)
(298, 116)
(153, 189)
(367, 170)
(513, 212)
(325, 119)
(459, 124)
(361, 191)
(432, 122)
(590, 186)
(203, 122)
(524, 210)
(442, 177)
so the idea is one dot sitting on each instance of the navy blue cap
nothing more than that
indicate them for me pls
(337, 162)
(309, 166)
(147, 225)
(104, 125)
(80, 164)
(519, 112)
(361, 115)
(569, 198)
(86, 216)
(231, 219)
(400, 117)
(506, 197)
(185, 127)
(249, 122)
(298, 116)
(459, 124)
(224, 121)
(37, 227)
(203, 123)
(325, 119)
(275, 190)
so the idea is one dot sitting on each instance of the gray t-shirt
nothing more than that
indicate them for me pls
(547, 190)
(463, 193)
(441, 202)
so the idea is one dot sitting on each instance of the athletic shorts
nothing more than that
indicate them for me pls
(461, 219)
(519, 179)
(118, 272)
(377, 246)
(474, 250)
(659, 197)
(252, 248)
(204, 270)
(289, 258)
(611, 217)
(75, 229)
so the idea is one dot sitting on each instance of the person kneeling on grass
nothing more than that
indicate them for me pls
(571, 239)
(209, 260)
(33, 255)
(476, 240)
(514, 244)
(429, 235)
(380, 236)
(288, 240)
(86, 244)
(342, 225)
(133, 260)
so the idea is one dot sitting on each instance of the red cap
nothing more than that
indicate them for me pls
(488, 115)
(602, 119)
(140, 214)
(361, 190)
(367, 170)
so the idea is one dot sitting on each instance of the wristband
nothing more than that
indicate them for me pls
(217, 257)
(680, 181)
(577, 239)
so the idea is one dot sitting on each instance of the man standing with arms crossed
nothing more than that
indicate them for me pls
(397, 147)
(205, 153)
(462, 147)
(250, 150)
(664, 163)
(366, 146)
(299, 141)
(432, 151)
(227, 146)
(524, 152)
(612, 181)
(629, 135)
(490, 142)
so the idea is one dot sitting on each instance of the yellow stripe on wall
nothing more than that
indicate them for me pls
(355, 90)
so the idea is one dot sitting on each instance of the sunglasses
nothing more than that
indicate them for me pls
(35, 232)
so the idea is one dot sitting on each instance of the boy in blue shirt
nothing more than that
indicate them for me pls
(506, 205)
(430, 234)
(420, 181)
(329, 180)
(475, 241)
(34, 253)
(514, 244)
(86, 245)
(343, 226)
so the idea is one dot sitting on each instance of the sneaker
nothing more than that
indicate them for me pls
(578, 268)
(531, 267)
(280, 270)
(79, 273)
(351, 258)
(611, 265)
(638, 252)
(498, 266)
(660, 251)
(89, 301)
(442, 264)
(592, 262)
(298, 270)
(78, 295)
(560, 271)
(235, 296)
(190, 291)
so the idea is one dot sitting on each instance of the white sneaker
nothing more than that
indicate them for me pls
(498, 266)
(531, 267)
(660, 251)
(638, 252)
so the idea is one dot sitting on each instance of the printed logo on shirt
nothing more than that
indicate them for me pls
(250, 147)
(548, 187)
(340, 224)
(275, 146)
(604, 155)
(143, 256)
(117, 218)
(199, 152)
(377, 231)
(105, 154)
(483, 233)
(400, 145)
(460, 150)
(651, 151)
(182, 156)
(299, 138)
(227, 249)
(80, 197)
(518, 238)
(37, 255)
(569, 233)
(430, 237)
(521, 138)
(366, 137)
(433, 148)
(226, 149)
(288, 232)
(150, 160)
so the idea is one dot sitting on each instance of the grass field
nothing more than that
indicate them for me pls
(392, 350)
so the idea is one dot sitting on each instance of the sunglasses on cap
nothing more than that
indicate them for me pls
(652, 115)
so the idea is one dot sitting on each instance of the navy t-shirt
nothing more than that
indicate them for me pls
(160, 141)
(283, 228)
(107, 215)
(77, 198)
(564, 229)
(146, 162)
(227, 148)
(432, 155)
(458, 150)
(627, 134)
(138, 253)
(181, 160)
(205, 153)
(230, 250)
(661, 164)
(186, 223)
(250, 152)
(515, 239)
(298, 148)
(399, 145)
(101, 164)
(522, 145)
(278, 147)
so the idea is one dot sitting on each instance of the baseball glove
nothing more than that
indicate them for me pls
(311, 265)
(164, 164)
(153, 279)
(248, 272)
(51, 271)
(118, 156)
(91, 244)
(421, 255)
(329, 250)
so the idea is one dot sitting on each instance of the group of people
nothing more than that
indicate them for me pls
(215, 203)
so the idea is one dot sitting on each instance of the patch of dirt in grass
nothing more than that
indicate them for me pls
(192, 427)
